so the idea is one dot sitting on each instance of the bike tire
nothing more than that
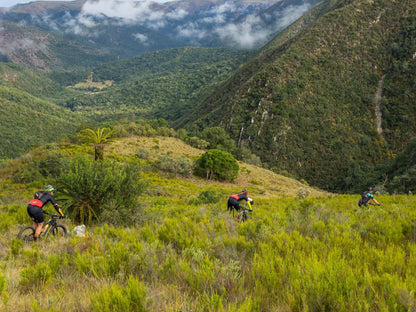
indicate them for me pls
(27, 234)
(59, 231)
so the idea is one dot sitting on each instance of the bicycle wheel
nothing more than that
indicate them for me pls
(27, 234)
(59, 231)
(244, 217)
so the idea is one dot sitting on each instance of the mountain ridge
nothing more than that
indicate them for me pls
(309, 106)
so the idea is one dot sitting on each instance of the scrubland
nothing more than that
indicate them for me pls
(300, 251)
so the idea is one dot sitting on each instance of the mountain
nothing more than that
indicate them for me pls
(68, 35)
(29, 115)
(27, 121)
(329, 99)
(160, 84)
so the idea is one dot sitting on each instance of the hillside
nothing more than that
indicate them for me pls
(157, 84)
(328, 99)
(43, 50)
(260, 182)
(180, 250)
(27, 121)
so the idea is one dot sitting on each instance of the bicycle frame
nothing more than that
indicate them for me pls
(50, 224)
(27, 233)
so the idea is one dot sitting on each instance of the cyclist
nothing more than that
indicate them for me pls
(35, 211)
(366, 197)
(234, 202)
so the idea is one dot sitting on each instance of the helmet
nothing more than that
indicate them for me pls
(49, 188)
(370, 188)
(244, 191)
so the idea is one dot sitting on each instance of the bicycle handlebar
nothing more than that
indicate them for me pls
(53, 215)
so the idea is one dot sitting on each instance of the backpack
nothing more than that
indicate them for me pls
(39, 194)
(364, 199)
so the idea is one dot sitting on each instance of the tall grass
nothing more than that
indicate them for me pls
(313, 254)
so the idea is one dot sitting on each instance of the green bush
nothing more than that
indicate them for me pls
(132, 298)
(144, 153)
(207, 197)
(198, 143)
(105, 191)
(36, 276)
(179, 165)
(217, 165)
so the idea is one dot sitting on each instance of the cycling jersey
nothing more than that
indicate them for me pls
(365, 198)
(233, 201)
(240, 196)
(42, 201)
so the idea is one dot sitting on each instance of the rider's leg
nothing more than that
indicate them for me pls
(38, 229)
(239, 215)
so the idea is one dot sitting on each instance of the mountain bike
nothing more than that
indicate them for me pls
(245, 214)
(27, 233)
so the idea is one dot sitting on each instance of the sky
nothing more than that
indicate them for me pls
(10, 3)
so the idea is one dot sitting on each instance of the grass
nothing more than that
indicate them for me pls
(260, 182)
(318, 253)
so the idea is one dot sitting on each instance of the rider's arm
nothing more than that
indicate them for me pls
(55, 205)
(374, 200)
(59, 210)
(249, 202)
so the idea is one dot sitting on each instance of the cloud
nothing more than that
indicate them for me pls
(254, 31)
(129, 12)
(7, 47)
(142, 38)
(217, 22)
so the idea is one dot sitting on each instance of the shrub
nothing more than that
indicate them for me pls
(178, 165)
(36, 276)
(303, 192)
(92, 190)
(217, 165)
(207, 197)
(198, 143)
(132, 297)
(144, 153)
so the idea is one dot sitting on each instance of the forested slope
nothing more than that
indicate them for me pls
(27, 121)
(307, 104)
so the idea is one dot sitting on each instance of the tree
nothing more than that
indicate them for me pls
(98, 138)
(218, 165)
(218, 138)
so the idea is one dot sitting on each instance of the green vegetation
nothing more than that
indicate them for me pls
(27, 121)
(105, 191)
(179, 250)
(163, 83)
(328, 101)
(217, 165)
(98, 138)
(308, 103)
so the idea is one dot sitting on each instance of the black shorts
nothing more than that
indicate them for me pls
(35, 213)
(233, 204)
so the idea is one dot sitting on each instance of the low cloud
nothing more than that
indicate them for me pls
(254, 31)
(142, 38)
(217, 22)
(130, 12)
(7, 47)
